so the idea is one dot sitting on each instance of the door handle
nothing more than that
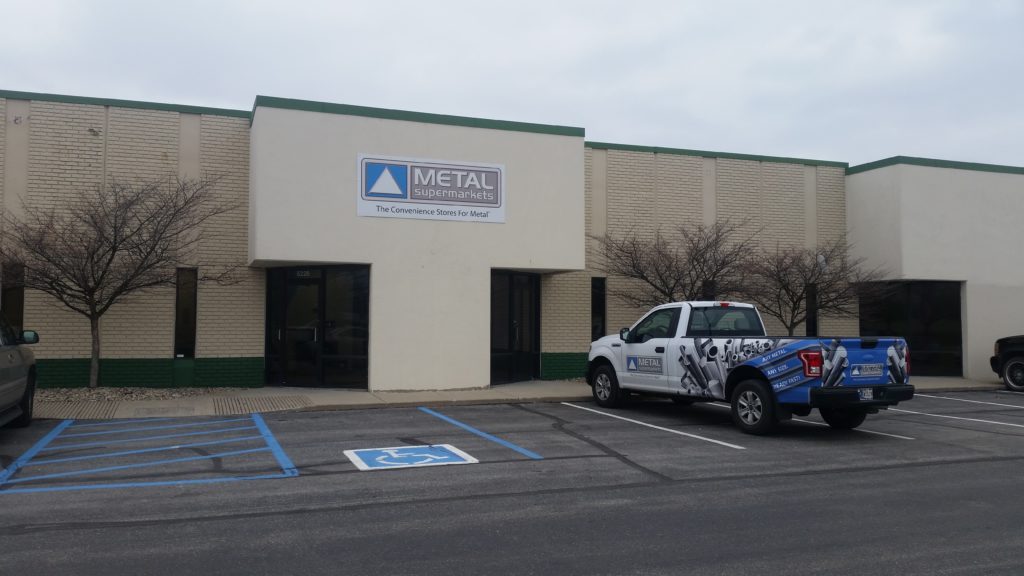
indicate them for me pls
(314, 334)
(659, 349)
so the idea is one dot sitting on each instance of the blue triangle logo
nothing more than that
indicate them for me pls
(385, 180)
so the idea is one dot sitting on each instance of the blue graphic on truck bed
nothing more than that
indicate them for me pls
(707, 363)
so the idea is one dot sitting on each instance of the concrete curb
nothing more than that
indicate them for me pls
(442, 403)
(327, 400)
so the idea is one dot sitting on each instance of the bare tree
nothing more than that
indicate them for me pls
(782, 280)
(698, 262)
(111, 242)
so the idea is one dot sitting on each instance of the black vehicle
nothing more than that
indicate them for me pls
(1008, 362)
(17, 376)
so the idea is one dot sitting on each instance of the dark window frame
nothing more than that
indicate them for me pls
(185, 339)
(12, 296)
(598, 307)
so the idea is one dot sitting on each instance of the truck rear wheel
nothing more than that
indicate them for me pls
(606, 389)
(753, 407)
(1013, 373)
(843, 419)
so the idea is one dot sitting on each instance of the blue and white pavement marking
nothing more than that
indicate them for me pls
(528, 453)
(12, 482)
(408, 457)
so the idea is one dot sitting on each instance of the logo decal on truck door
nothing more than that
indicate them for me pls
(644, 364)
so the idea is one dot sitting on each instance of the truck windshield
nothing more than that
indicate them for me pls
(724, 322)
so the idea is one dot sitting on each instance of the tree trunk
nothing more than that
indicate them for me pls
(94, 364)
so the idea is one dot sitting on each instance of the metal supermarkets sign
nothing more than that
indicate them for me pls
(391, 187)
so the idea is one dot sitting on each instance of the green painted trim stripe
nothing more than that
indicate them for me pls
(710, 154)
(563, 365)
(933, 163)
(88, 100)
(424, 117)
(206, 372)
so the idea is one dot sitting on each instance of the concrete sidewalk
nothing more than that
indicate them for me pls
(274, 399)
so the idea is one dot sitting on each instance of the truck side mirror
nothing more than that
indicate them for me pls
(624, 334)
(29, 337)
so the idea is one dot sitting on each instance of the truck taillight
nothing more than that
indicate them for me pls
(812, 361)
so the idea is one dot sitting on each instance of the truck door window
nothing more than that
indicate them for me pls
(657, 324)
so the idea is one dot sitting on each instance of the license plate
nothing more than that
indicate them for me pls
(866, 393)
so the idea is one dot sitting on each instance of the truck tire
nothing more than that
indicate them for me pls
(606, 389)
(843, 419)
(1013, 373)
(27, 404)
(753, 407)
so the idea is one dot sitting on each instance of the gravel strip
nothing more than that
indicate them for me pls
(127, 393)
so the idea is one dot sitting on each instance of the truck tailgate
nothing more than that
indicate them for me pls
(868, 361)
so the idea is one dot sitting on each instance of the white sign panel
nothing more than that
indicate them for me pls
(391, 187)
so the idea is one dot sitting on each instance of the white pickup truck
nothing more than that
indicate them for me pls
(718, 351)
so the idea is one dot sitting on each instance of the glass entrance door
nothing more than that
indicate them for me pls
(302, 331)
(318, 326)
(515, 326)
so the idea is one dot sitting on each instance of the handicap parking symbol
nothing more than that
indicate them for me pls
(408, 457)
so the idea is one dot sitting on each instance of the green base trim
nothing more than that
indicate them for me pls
(563, 365)
(152, 372)
(244, 372)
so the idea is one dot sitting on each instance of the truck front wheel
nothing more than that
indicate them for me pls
(841, 419)
(606, 387)
(753, 407)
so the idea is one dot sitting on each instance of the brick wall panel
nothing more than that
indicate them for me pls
(231, 317)
(66, 152)
(831, 205)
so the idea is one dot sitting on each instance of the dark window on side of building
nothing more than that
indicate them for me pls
(185, 313)
(812, 310)
(927, 314)
(12, 296)
(598, 315)
(708, 290)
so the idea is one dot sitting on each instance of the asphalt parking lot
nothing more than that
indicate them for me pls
(566, 488)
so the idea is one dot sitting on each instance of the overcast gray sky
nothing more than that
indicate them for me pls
(847, 81)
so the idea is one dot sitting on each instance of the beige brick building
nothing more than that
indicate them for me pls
(323, 296)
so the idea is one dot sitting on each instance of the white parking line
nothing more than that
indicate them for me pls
(972, 401)
(856, 429)
(717, 405)
(957, 418)
(694, 436)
